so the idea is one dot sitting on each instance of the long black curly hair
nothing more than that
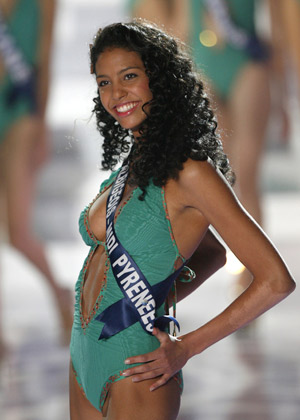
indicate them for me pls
(180, 123)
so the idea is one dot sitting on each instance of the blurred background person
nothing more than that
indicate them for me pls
(25, 45)
(236, 63)
(285, 32)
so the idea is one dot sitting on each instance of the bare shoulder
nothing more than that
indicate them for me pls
(206, 190)
(197, 170)
(200, 181)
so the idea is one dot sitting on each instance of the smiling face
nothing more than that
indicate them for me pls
(123, 87)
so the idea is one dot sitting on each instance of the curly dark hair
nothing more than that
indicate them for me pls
(180, 123)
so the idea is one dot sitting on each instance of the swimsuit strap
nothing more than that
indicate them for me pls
(140, 298)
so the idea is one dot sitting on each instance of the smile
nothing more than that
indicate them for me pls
(126, 108)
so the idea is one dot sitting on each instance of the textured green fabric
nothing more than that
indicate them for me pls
(24, 25)
(145, 232)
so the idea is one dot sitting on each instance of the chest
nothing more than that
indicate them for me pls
(142, 226)
(97, 211)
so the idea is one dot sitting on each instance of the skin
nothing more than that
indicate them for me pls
(209, 256)
(193, 205)
(22, 152)
(127, 86)
(242, 116)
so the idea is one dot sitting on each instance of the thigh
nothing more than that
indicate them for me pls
(80, 407)
(134, 401)
(18, 169)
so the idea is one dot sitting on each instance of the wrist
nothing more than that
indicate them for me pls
(191, 348)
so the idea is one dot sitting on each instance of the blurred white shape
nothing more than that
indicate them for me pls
(233, 264)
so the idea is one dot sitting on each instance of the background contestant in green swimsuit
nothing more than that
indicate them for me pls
(23, 135)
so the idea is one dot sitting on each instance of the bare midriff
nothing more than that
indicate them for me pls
(94, 279)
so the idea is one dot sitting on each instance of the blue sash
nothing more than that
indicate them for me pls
(20, 72)
(140, 298)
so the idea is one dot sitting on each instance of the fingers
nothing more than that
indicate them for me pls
(163, 378)
(147, 375)
(138, 370)
(159, 366)
(142, 358)
(148, 357)
(162, 381)
(162, 362)
(159, 372)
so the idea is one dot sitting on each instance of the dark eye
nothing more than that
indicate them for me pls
(102, 83)
(130, 76)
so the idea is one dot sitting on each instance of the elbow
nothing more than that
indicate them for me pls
(291, 286)
(284, 285)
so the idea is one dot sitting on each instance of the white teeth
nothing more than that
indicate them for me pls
(125, 108)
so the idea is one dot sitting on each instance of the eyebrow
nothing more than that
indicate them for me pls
(120, 72)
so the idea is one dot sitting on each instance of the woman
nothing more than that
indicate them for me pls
(26, 28)
(149, 95)
(223, 35)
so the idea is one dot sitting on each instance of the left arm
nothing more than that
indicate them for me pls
(272, 282)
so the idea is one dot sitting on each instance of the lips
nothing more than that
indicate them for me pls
(125, 109)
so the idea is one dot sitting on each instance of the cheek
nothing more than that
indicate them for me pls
(146, 91)
(104, 100)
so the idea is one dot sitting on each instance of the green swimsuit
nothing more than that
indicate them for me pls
(220, 66)
(24, 25)
(144, 229)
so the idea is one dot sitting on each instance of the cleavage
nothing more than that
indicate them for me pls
(97, 212)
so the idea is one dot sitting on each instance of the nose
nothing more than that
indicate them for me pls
(118, 91)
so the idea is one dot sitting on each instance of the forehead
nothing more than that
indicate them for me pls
(114, 59)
